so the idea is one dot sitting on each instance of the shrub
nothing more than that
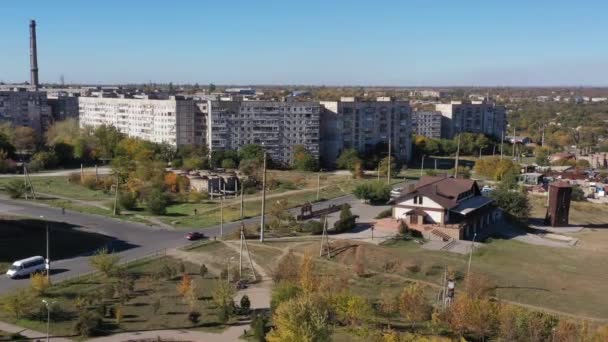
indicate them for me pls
(39, 283)
(16, 189)
(374, 192)
(157, 202)
(127, 200)
(578, 194)
(258, 327)
(313, 227)
(87, 324)
(413, 268)
(89, 182)
(196, 196)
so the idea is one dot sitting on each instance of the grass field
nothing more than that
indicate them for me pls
(137, 311)
(24, 237)
(60, 186)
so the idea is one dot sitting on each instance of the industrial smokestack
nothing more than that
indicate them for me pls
(33, 56)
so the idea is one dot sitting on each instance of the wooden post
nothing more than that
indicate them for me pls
(318, 186)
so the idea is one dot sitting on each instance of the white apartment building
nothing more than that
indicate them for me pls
(278, 126)
(169, 121)
(427, 124)
(25, 108)
(472, 116)
(351, 123)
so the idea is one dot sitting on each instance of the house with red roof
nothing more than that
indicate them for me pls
(442, 207)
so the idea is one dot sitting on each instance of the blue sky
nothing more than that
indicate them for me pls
(331, 42)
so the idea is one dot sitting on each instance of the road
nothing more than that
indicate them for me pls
(132, 240)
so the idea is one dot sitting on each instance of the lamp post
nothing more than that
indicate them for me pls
(48, 304)
(422, 165)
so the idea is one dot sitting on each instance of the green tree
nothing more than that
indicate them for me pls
(383, 166)
(373, 191)
(107, 139)
(348, 159)
(15, 188)
(157, 202)
(228, 164)
(24, 138)
(282, 292)
(252, 152)
(223, 295)
(515, 203)
(304, 160)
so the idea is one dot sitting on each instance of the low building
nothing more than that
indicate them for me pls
(427, 124)
(446, 208)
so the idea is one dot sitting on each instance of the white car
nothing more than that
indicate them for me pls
(396, 192)
(25, 267)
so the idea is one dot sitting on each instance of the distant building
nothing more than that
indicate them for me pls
(363, 125)
(445, 208)
(20, 107)
(169, 121)
(428, 93)
(278, 126)
(427, 124)
(483, 117)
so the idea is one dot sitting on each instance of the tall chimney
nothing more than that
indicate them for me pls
(33, 56)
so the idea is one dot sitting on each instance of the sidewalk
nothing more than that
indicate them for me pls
(228, 335)
(10, 328)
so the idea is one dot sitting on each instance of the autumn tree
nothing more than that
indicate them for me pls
(184, 285)
(104, 262)
(280, 216)
(301, 319)
(388, 305)
(24, 138)
(309, 280)
(383, 166)
(413, 304)
(223, 295)
(351, 309)
(303, 160)
(348, 159)
(286, 269)
(39, 283)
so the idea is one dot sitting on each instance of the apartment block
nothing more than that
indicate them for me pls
(169, 120)
(472, 116)
(362, 125)
(63, 106)
(278, 126)
(21, 107)
(427, 124)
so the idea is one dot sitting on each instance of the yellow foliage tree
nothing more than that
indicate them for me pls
(39, 283)
(301, 319)
(413, 305)
(309, 281)
(184, 286)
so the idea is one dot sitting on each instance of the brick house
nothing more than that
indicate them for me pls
(446, 208)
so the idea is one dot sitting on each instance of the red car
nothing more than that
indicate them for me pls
(195, 236)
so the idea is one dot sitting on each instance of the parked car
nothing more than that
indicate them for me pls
(194, 236)
(396, 192)
(25, 267)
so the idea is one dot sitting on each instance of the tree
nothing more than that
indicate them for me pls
(286, 269)
(258, 327)
(348, 159)
(515, 203)
(107, 139)
(309, 281)
(104, 262)
(24, 138)
(87, 324)
(39, 283)
(383, 166)
(45, 159)
(18, 303)
(358, 170)
(280, 216)
(252, 152)
(16, 188)
(351, 309)
(223, 295)
(388, 305)
(195, 163)
(301, 319)
(283, 292)
(347, 220)
(228, 164)
(66, 132)
(578, 194)
(211, 88)
(413, 304)
(185, 285)
(374, 192)
(304, 160)
(157, 202)
(477, 317)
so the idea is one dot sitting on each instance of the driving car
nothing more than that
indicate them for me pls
(194, 236)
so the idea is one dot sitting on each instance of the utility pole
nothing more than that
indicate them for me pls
(318, 186)
(241, 254)
(221, 216)
(435, 159)
(470, 257)
(262, 223)
(47, 262)
(389, 160)
(457, 156)
(116, 195)
(422, 165)
(325, 241)
(242, 201)
(48, 318)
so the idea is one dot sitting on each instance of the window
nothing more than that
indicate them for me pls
(417, 199)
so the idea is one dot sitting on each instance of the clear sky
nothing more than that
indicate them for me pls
(331, 42)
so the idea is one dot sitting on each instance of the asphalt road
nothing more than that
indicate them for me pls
(132, 240)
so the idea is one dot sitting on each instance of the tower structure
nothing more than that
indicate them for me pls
(33, 56)
(558, 209)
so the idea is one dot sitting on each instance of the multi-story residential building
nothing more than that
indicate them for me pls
(363, 125)
(472, 116)
(278, 126)
(63, 105)
(25, 108)
(428, 93)
(427, 124)
(169, 121)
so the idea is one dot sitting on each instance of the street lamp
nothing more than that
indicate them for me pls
(47, 262)
(48, 304)
(470, 257)
(422, 165)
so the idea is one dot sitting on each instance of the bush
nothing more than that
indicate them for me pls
(374, 192)
(87, 324)
(385, 213)
(578, 194)
(245, 304)
(313, 227)
(347, 220)
(16, 189)
(89, 182)
(228, 164)
(196, 196)
(127, 200)
(157, 202)
(258, 327)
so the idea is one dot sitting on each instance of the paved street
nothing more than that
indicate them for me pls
(133, 240)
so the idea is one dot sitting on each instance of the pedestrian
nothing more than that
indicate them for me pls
(195, 211)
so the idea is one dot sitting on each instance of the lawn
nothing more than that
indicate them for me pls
(138, 312)
(60, 186)
(22, 237)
